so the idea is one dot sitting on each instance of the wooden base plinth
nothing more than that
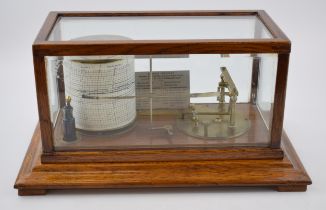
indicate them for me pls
(36, 178)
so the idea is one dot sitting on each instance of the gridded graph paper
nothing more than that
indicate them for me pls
(92, 85)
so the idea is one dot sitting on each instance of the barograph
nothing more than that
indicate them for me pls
(160, 99)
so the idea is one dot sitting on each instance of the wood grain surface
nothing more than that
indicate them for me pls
(286, 174)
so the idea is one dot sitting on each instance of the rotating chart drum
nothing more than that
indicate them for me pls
(102, 90)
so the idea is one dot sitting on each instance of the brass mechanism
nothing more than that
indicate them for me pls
(215, 121)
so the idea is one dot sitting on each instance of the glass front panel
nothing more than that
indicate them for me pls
(160, 28)
(161, 101)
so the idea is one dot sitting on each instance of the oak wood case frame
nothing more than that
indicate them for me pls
(279, 44)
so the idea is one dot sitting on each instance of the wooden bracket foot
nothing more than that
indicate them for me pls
(24, 192)
(292, 188)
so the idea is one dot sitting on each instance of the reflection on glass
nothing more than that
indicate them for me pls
(266, 86)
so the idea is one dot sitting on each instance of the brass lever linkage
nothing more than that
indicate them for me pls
(215, 121)
(225, 83)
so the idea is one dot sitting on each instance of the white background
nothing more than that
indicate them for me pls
(303, 21)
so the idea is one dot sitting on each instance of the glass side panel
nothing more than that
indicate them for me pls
(161, 101)
(160, 28)
(266, 86)
(53, 65)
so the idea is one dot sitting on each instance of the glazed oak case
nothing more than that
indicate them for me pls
(160, 99)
